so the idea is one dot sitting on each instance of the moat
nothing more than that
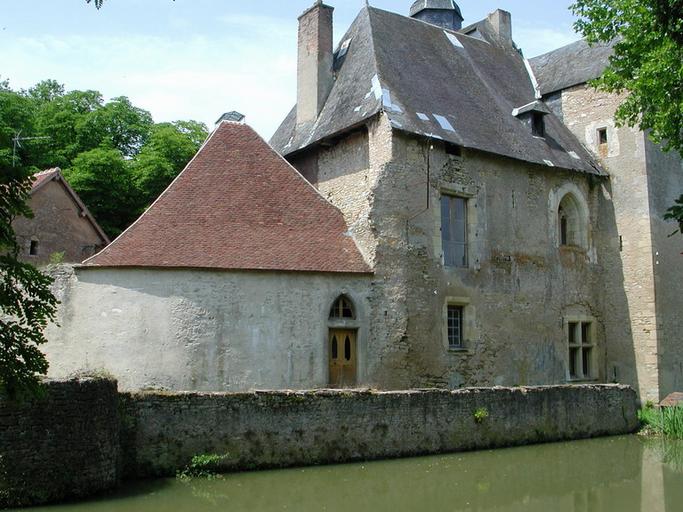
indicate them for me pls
(620, 474)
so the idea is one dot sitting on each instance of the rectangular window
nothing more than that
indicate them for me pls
(455, 317)
(33, 249)
(537, 125)
(581, 350)
(454, 230)
(602, 136)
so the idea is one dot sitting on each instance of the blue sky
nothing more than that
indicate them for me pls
(195, 59)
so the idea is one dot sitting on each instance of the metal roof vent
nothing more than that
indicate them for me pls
(233, 117)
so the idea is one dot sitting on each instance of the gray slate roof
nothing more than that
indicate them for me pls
(421, 5)
(574, 64)
(435, 83)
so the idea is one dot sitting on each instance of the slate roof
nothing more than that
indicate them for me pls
(237, 205)
(574, 64)
(421, 5)
(40, 179)
(435, 83)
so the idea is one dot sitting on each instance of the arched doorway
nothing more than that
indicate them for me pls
(343, 344)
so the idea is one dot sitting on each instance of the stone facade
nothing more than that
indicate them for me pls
(58, 226)
(642, 261)
(519, 284)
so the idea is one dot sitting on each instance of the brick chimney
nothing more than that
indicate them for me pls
(501, 22)
(314, 72)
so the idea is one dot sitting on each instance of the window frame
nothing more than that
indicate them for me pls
(451, 196)
(579, 353)
(460, 329)
(467, 324)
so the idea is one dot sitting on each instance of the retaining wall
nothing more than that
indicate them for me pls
(162, 432)
(64, 445)
(83, 435)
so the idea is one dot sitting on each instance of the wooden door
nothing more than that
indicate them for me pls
(343, 358)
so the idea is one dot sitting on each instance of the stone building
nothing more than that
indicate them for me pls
(505, 231)
(61, 225)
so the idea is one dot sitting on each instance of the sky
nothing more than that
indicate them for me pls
(196, 59)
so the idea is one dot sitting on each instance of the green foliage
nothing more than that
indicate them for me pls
(663, 421)
(480, 415)
(118, 159)
(57, 258)
(647, 62)
(204, 466)
(104, 181)
(26, 302)
(169, 148)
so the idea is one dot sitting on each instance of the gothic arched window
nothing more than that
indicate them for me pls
(342, 309)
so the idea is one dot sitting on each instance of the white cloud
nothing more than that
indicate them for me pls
(195, 78)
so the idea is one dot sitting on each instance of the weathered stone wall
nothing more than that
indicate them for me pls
(201, 330)
(62, 446)
(518, 289)
(642, 263)
(57, 226)
(162, 432)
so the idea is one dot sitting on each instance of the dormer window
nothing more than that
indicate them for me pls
(537, 124)
(533, 116)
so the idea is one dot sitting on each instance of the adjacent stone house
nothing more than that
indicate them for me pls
(61, 227)
(498, 228)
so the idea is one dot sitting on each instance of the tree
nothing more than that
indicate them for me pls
(647, 64)
(103, 180)
(26, 301)
(169, 148)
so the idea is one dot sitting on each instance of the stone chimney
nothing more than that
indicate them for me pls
(501, 22)
(314, 72)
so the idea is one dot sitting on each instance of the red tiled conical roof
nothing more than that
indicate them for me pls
(238, 205)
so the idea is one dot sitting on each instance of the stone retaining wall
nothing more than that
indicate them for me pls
(83, 435)
(64, 445)
(162, 432)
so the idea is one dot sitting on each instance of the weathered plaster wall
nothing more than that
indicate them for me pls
(162, 432)
(518, 289)
(57, 226)
(195, 330)
(642, 265)
(64, 445)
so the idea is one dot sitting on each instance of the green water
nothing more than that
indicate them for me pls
(620, 474)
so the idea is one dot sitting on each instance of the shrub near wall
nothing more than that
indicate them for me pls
(62, 446)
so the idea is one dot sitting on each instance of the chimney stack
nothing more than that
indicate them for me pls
(315, 61)
(501, 22)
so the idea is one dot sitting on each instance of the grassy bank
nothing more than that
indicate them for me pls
(664, 421)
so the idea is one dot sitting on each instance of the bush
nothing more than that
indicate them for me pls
(204, 466)
(663, 421)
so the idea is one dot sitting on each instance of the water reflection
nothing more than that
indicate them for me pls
(617, 474)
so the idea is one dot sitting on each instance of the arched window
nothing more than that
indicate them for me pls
(342, 309)
(571, 225)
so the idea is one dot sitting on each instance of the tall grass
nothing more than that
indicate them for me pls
(664, 421)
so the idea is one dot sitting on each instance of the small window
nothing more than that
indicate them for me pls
(33, 249)
(454, 230)
(571, 228)
(602, 136)
(581, 350)
(537, 124)
(342, 309)
(455, 318)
